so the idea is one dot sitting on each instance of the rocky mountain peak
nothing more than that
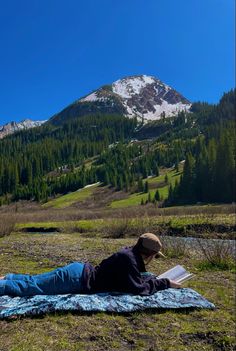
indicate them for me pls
(143, 96)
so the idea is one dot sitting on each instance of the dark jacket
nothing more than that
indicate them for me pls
(121, 272)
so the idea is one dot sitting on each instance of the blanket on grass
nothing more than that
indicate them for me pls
(106, 302)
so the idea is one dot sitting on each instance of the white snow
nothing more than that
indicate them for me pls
(148, 79)
(91, 97)
(89, 185)
(130, 111)
(166, 87)
(13, 127)
(128, 87)
(169, 109)
(25, 124)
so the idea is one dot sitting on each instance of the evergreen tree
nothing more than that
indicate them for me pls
(157, 195)
(146, 187)
(187, 185)
(140, 185)
(156, 170)
(166, 179)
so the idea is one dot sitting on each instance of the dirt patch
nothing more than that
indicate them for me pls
(217, 339)
(101, 197)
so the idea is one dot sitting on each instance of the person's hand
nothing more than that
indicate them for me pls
(174, 285)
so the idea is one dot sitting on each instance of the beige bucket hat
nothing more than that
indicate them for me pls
(152, 242)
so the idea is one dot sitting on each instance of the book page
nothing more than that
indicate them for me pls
(174, 273)
(184, 278)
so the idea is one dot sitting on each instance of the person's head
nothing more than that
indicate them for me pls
(149, 246)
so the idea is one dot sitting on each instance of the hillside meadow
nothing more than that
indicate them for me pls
(40, 239)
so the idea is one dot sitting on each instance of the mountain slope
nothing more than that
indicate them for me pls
(142, 96)
(56, 159)
(13, 127)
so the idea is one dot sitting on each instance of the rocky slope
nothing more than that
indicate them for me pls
(13, 127)
(143, 96)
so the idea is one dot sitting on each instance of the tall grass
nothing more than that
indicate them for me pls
(128, 227)
(7, 224)
(117, 229)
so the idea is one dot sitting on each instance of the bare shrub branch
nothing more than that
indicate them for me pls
(218, 253)
(174, 248)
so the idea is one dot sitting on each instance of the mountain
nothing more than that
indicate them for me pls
(42, 162)
(142, 96)
(13, 127)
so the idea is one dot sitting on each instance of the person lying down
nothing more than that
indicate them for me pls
(121, 272)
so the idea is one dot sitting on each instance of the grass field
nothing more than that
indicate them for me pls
(69, 199)
(172, 222)
(135, 199)
(141, 331)
(92, 233)
(132, 199)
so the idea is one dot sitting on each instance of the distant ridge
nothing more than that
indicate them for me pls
(12, 127)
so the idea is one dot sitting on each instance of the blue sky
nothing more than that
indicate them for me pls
(55, 51)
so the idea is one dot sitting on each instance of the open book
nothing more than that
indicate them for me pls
(178, 274)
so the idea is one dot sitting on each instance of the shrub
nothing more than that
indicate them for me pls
(217, 254)
(174, 248)
(7, 224)
(117, 229)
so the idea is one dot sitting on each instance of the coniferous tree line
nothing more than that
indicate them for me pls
(204, 138)
(209, 171)
(28, 156)
(209, 175)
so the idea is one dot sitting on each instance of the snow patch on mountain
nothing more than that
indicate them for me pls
(12, 127)
(165, 110)
(93, 97)
(145, 97)
(90, 97)
(127, 87)
(148, 98)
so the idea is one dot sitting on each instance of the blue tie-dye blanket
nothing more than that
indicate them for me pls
(41, 304)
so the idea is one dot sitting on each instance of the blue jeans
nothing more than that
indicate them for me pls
(64, 280)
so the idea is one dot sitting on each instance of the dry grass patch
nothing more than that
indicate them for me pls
(7, 224)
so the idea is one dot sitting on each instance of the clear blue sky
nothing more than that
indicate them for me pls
(55, 51)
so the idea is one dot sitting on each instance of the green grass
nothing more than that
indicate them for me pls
(68, 199)
(185, 330)
(173, 221)
(175, 225)
(172, 174)
(135, 199)
(226, 265)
